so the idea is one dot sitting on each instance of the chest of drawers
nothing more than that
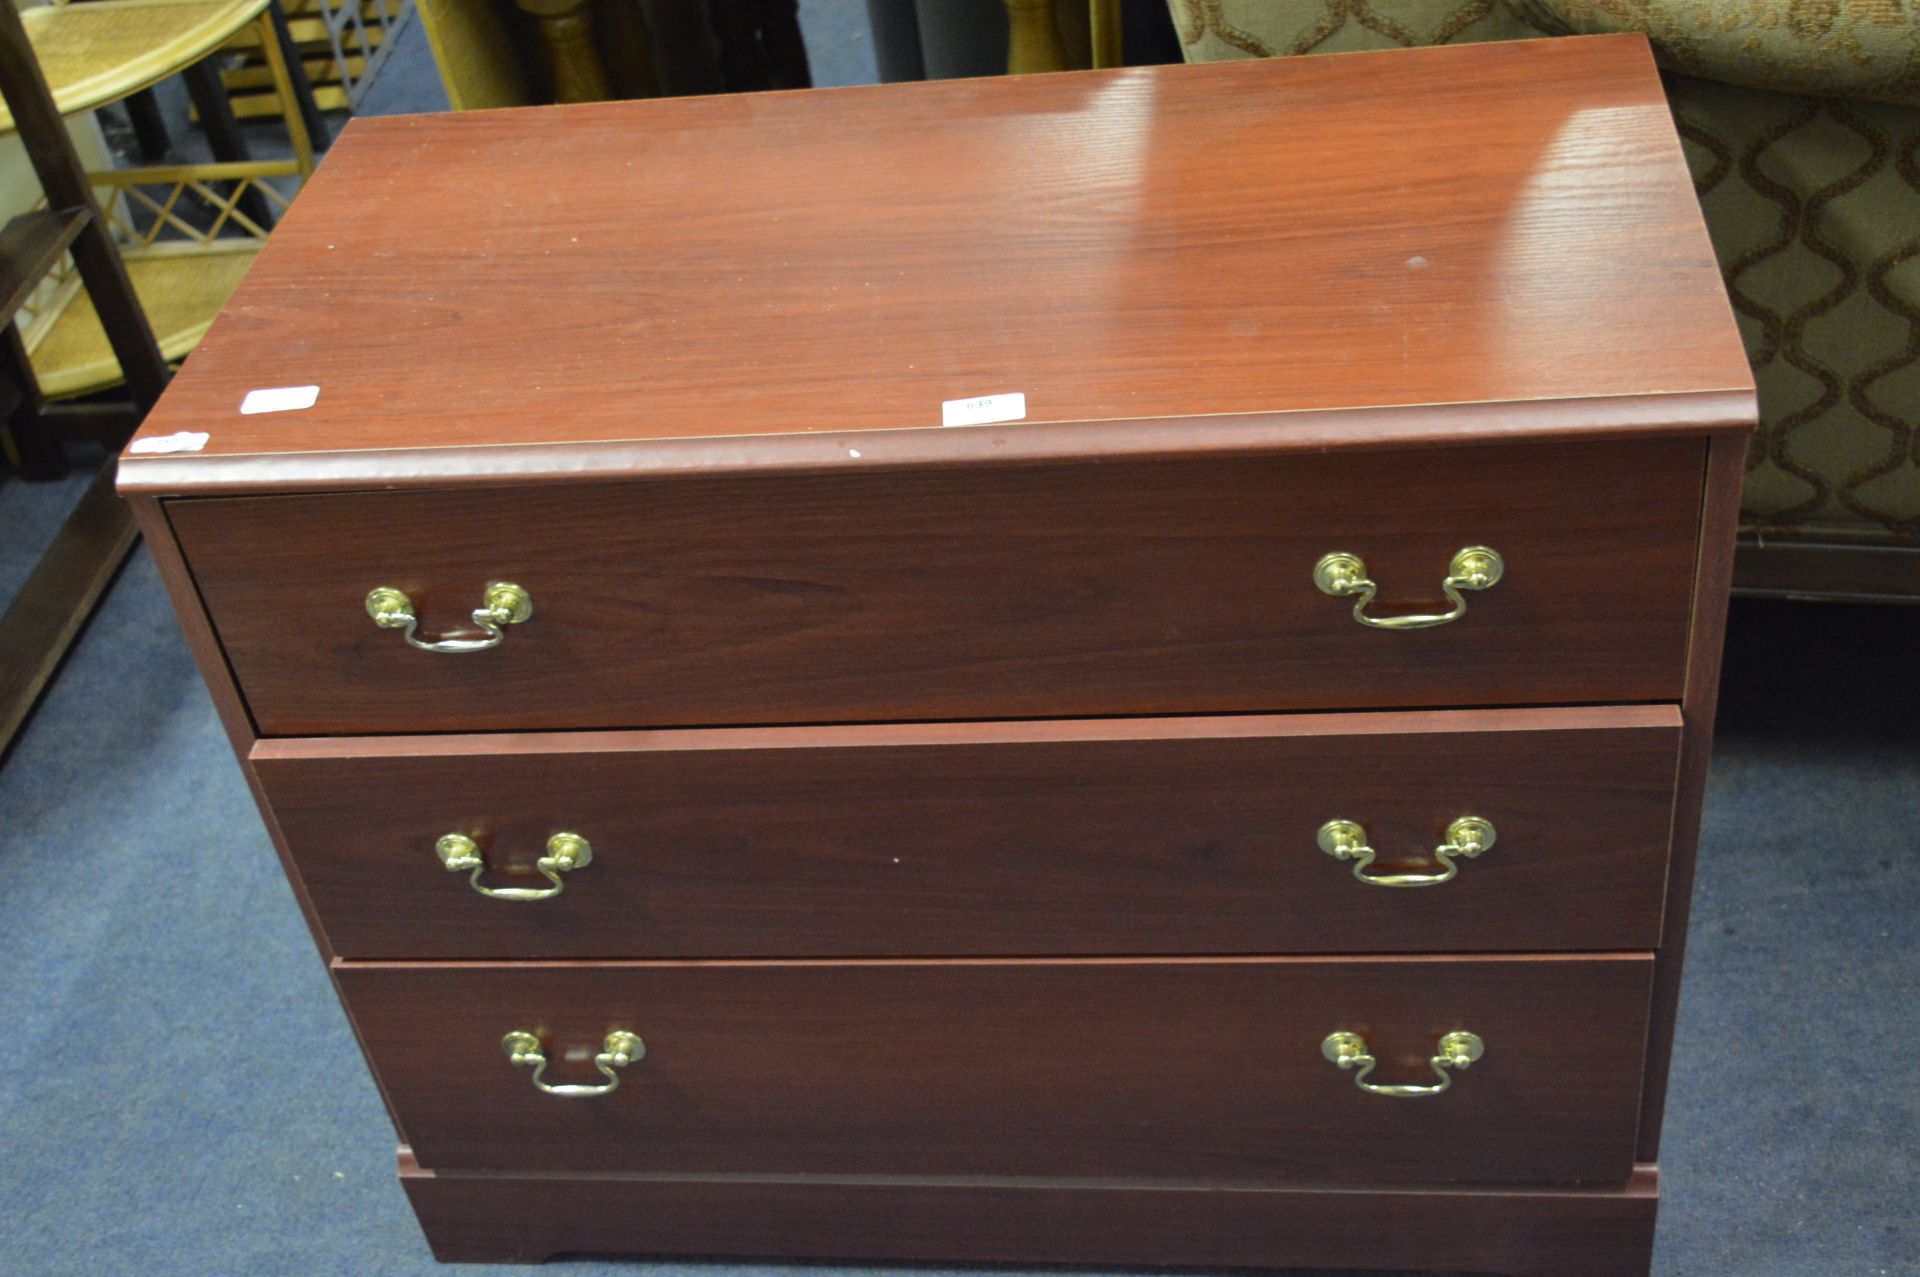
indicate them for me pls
(1238, 811)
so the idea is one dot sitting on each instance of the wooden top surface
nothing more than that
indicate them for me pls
(1196, 257)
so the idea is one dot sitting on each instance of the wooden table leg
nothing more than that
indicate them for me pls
(47, 614)
(149, 126)
(297, 76)
(1033, 42)
(567, 28)
(30, 444)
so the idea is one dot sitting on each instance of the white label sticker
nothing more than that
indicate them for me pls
(983, 410)
(279, 399)
(183, 441)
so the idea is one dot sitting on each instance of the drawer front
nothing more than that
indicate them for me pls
(1101, 837)
(528, 1219)
(1175, 1069)
(1059, 590)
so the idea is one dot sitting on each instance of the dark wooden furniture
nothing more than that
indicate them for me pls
(43, 618)
(967, 843)
(814, 841)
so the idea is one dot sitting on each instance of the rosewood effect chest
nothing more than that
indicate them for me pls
(1233, 805)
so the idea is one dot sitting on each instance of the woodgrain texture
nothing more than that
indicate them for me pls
(1147, 244)
(1171, 1069)
(1181, 586)
(1103, 837)
(1537, 1232)
(1720, 518)
(151, 518)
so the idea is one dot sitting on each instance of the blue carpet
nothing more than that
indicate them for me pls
(30, 517)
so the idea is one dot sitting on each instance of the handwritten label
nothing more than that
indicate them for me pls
(983, 410)
(279, 399)
(182, 441)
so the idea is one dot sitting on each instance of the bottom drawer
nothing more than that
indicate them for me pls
(1531, 1232)
(1191, 1069)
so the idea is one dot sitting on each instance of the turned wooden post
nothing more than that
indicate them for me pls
(567, 28)
(1033, 42)
(1103, 25)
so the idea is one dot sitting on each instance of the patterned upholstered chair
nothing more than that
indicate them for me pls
(1801, 119)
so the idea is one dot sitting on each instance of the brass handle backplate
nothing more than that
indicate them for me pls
(1457, 1050)
(504, 604)
(1344, 575)
(1467, 837)
(460, 853)
(620, 1049)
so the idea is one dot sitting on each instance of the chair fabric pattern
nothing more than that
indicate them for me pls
(1823, 48)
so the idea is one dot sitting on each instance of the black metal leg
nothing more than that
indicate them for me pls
(302, 82)
(223, 131)
(760, 45)
(149, 126)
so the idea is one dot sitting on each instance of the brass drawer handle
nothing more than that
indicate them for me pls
(505, 604)
(460, 853)
(1457, 1050)
(619, 1050)
(1344, 575)
(1466, 837)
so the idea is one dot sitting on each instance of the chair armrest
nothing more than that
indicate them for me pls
(1215, 30)
(1834, 49)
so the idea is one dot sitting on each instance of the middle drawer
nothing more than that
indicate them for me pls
(1114, 836)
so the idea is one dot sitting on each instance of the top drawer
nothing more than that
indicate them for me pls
(1183, 585)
